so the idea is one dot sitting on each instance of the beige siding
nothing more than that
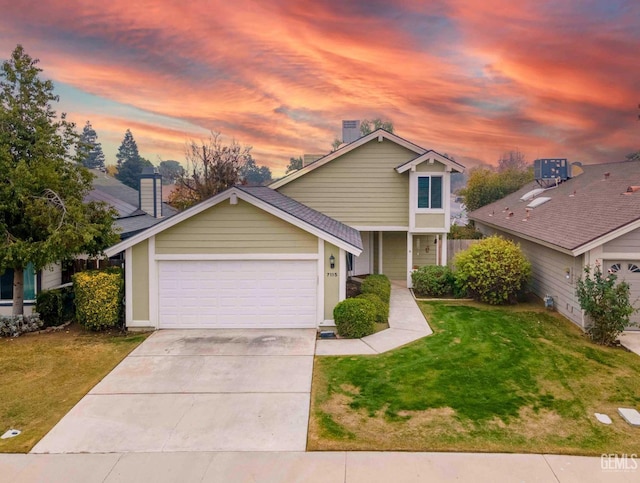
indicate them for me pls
(549, 274)
(146, 195)
(331, 279)
(394, 255)
(426, 167)
(241, 228)
(629, 243)
(424, 250)
(360, 188)
(430, 220)
(51, 276)
(140, 285)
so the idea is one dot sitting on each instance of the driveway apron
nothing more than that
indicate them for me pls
(197, 390)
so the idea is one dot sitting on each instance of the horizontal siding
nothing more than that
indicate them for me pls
(430, 220)
(140, 280)
(548, 274)
(629, 243)
(241, 228)
(426, 253)
(394, 255)
(360, 187)
(426, 167)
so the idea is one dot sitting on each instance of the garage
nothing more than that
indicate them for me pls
(252, 294)
(629, 271)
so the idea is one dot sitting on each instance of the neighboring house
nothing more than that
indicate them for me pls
(592, 218)
(137, 211)
(279, 256)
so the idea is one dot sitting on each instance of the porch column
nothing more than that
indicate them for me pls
(379, 252)
(409, 258)
(443, 251)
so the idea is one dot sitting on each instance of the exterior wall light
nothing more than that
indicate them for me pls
(332, 261)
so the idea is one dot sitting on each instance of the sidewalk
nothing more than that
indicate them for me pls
(406, 324)
(317, 467)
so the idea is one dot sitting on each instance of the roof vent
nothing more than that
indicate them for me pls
(532, 194)
(631, 190)
(538, 201)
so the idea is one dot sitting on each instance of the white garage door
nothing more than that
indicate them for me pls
(237, 294)
(629, 271)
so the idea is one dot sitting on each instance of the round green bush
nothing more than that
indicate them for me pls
(433, 281)
(382, 309)
(355, 317)
(379, 285)
(494, 271)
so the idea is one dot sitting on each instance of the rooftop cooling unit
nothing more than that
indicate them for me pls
(551, 171)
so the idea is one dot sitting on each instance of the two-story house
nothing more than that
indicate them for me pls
(279, 256)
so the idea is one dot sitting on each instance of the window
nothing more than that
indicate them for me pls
(633, 268)
(430, 192)
(6, 284)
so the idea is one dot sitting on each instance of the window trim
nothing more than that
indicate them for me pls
(417, 196)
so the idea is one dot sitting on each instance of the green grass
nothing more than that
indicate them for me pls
(42, 376)
(489, 379)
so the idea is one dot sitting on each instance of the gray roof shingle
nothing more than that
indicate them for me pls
(304, 213)
(582, 209)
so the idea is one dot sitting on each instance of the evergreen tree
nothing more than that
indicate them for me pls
(89, 149)
(43, 218)
(130, 163)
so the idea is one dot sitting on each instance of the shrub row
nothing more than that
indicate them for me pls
(98, 298)
(14, 325)
(379, 285)
(55, 306)
(382, 308)
(355, 317)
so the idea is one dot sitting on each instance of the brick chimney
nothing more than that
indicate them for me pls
(150, 192)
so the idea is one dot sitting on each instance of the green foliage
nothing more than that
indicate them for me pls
(379, 285)
(606, 303)
(98, 298)
(170, 171)
(466, 232)
(382, 309)
(89, 149)
(255, 175)
(486, 185)
(55, 306)
(130, 163)
(43, 218)
(294, 164)
(494, 270)
(355, 317)
(433, 281)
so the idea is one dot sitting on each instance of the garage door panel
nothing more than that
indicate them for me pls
(237, 294)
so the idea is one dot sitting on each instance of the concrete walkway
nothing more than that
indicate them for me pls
(630, 340)
(406, 324)
(316, 467)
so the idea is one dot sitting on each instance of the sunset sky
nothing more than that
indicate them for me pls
(467, 77)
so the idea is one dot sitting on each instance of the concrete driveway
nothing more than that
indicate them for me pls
(197, 390)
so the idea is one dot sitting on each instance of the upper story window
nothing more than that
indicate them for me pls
(430, 192)
(6, 284)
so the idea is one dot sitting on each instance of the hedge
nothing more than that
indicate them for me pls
(433, 281)
(55, 306)
(379, 285)
(355, 317)
(382, 309)
(98, 298)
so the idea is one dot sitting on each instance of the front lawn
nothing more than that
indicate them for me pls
(512, 379)
(42, 376)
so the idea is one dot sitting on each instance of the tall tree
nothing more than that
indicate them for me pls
(294, 164)
(130, 163)
(42, 185)
(368, 126)
(255, 175)
(212, 167)
(512, 160)
(89, 149)
(170, 170)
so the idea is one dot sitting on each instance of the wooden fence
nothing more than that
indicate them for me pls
(455, 246)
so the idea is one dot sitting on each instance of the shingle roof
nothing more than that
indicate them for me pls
(581, 210)
(304, 213)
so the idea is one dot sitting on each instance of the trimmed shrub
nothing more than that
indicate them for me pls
(466, 232)
(494, 271)
(433, 281)
(606, 303)
(14, 325)
(55, 306)
(379, 285)
(355, 317)
(98, 298)
(382, 309)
